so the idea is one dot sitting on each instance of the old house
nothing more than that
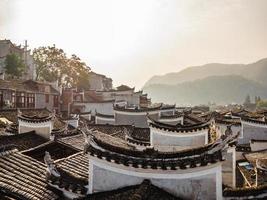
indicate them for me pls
(7, 48)
(28, 94)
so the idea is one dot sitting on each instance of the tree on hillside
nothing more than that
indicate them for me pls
(262, 104)
(14, 65)
(54, 65)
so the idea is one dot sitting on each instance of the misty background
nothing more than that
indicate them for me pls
(130, 41)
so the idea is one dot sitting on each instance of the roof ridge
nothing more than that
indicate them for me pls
(8, 152)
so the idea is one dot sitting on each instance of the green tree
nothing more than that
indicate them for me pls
(53, 64)
(262, 104)
(14, 65)
(79, 72)
(50, 62)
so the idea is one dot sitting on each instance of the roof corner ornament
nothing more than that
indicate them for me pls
(228, 131)
(222, 143)
(19, 113)
(87, 138)
(52, 137)
(51, 171)
(54, 114)
(66, 128)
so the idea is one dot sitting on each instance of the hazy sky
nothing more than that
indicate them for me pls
(130, 41)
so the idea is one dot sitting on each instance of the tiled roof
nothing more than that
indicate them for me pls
(143, 191)
(246, 193)
(115, 132)
(34, 118)
(24, 86)
(22, 141)
(253, 156)
(12, 115)
(147, 109)
(76, 141)
(104, 115)
(191, 119)
(57, 150)
(23, 177)
(116, 150)
(228, 121)
(124, 88)
(179, 127)
(76, 165)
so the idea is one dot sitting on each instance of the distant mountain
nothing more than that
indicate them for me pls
(219, 89)
(255, 71)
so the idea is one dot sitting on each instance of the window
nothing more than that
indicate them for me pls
(30, 100)
(20, 100)
(1, 99)
(55, 101)
(47, 98)
(13, 99)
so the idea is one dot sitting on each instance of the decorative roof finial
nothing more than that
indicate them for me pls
(19, 113)
(51, 171)
(54, 114)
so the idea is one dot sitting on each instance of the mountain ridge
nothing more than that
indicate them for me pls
(218, 89)
(256, 71)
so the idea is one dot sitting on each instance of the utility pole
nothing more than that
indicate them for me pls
(25, 51)
(256, 171)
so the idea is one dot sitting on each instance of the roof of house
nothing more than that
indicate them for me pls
(104, 115)
(76, 141)
(56, 149)
(140, 135)
(179, 127)
(23, 177)
(124, 88)
(27, 114)
(25, 86)
(259, 192)
(143, 191)
(147, 109)
(76, 164)
(22, 141)
(119, 151)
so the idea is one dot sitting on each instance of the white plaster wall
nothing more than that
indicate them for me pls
(136, 120)
(86, 116)
(197, 183)
(221, 128)
(229, 168)
(174, 121)
(73, 122)
(100, 120)
(103, 108)
(164, 140)
(43, 129)
(252, 131)
(132, 99)
(258, 146)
